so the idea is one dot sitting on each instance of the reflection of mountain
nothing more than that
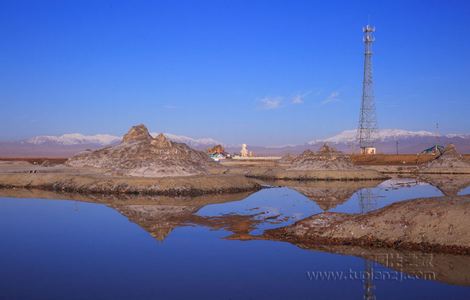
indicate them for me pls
(449, 185)
(328, 194)
(158, 215)
(165, 214)
(447, 268)
(158, 220)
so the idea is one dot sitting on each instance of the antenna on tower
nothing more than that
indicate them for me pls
(366, 131)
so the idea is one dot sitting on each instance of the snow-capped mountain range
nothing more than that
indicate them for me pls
(349, 136)
(393, 140)
(198, 142)
(73, 139)
(69, 144)
(70, 139)
(346, 137)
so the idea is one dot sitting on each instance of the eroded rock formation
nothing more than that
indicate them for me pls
(139, 154)
(327, 158)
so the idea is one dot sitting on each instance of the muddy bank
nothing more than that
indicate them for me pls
(327, 175)
(102, 184)
(125, 199)
(433, 225)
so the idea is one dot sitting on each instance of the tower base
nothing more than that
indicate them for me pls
(368, 150)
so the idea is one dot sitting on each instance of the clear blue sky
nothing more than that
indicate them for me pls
(260, 72)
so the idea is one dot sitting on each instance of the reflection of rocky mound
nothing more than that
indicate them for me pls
(327, 158)
(141, 155)
(450, 161)
(449, 185)
(159, 216)
(161, 220)
(328, 194)
(327, 198)
(158, 220)
(442, 267)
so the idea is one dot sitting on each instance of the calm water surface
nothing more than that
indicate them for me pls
(62, 249)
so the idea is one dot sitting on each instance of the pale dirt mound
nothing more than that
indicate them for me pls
(327, 158)
(430, 224)
(287, 159)
(450, 161)
(141, 155)
(326, 164)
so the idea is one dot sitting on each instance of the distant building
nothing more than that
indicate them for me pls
(368, 150)
(244, 151)
(219, 149)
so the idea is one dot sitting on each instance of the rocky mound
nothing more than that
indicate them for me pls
(327, 158)
(139, 154)
(287, 159)
(449, 162)
(326, 164)
(430, 224)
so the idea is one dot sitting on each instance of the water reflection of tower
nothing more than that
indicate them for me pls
(367, 203)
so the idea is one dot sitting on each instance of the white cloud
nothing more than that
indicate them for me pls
(332, 98)
(270, 102)
(297, 99)
(300, 98)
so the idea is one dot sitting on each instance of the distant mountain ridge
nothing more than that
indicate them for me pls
(387, 141)
(106, 139)
(69, 144)
(193, 142)
(74, 139)
(408, 142)
(349, 136)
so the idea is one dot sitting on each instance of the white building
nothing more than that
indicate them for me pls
(244, 151)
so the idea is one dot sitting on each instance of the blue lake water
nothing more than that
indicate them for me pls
(62, 249)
